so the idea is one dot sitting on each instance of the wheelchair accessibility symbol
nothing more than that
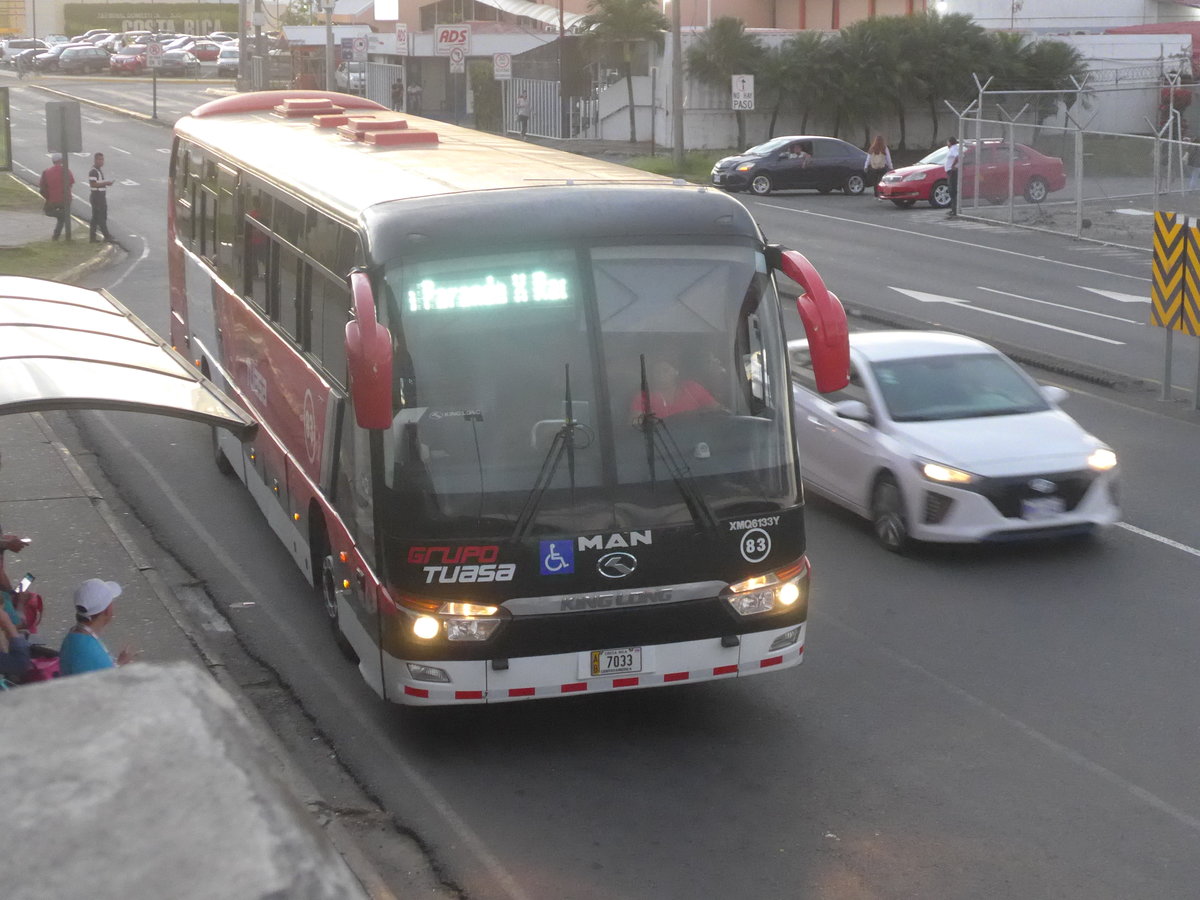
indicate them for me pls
(557, 557)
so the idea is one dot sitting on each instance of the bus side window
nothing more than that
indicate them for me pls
(330, 313)
(352, 482)
(256, 250)
(183, 193)
(208, 212)
(227, 223)
(291, 301)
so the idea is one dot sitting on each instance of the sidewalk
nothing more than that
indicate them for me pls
(48, 496)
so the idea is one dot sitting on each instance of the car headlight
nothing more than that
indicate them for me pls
(916, 176)
(778, 591)
(944, 474)
(745, 167)
(1102, 459)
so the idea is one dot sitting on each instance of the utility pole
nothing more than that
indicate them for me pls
(676, 87)
(564, 129)
(329, 47)
(243, 47)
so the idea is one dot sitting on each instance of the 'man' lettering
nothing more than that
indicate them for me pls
(615, 541)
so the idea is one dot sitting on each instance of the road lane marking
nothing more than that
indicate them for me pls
(1086, 312)
(1117, 295)
(1057, 749)
(924, 297)
(938, 237)
(1174, 545)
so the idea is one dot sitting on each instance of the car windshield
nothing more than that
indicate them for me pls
(769, 147)
(936, 158)
(966, 386)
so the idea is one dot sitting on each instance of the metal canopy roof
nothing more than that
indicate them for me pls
(67, 347)
(540, 11)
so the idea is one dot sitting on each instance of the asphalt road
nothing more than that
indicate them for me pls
(1010, 722)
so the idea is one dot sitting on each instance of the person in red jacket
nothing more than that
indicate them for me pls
(55, 188)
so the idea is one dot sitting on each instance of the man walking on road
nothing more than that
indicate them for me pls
(99, 199)
(953, 157)
(55, 188)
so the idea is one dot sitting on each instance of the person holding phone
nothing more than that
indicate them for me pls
(12, 596)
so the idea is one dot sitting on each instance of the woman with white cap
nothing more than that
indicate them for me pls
(82, 649)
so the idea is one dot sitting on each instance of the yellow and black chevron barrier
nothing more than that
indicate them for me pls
(1175, 292)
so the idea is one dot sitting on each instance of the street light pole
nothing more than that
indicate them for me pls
(676, 87)
(243, 47)
(329, 47)
(564, 129)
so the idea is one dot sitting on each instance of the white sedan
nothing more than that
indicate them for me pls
(940, 437)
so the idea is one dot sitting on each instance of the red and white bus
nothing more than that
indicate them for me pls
(524, 416)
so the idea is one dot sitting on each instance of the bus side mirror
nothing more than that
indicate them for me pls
(369, 358)
(824, 321)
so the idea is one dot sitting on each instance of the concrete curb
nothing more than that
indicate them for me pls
(366, 873)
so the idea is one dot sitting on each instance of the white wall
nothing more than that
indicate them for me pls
(1064, 14)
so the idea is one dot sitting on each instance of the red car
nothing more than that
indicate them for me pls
(131, 59)
(205, 51)
(1034, 175)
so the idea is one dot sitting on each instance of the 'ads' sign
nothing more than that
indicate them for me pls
(447, 37)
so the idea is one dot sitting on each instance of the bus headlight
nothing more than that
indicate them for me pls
(426, 627)
(776, 591)
(461, 621)
(470, 629)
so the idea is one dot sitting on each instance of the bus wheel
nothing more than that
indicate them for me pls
(887, 515)
(329, 599)
(224, 466)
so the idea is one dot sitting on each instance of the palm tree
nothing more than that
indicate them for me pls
(948, 50)
(896, 39)
(808, 59)
(1054, 66)
(866, 73)
(627, 23)
(721, 51)
(776, 76)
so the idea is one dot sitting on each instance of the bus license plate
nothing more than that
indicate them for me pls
(1042, 507)
(621, 661)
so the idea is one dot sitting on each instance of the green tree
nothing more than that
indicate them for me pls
(948, 50)
(867, 59)
(808, 58)
(624, 23)
(721, 51)
(299, 12)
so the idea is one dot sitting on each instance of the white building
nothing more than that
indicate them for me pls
(1077, 15)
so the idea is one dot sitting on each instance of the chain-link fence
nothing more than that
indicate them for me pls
(1092, 185)
(1081, 176)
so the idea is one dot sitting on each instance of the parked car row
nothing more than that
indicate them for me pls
(824, 164)
(121, 53)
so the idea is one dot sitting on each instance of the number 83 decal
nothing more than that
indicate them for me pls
(756, 545)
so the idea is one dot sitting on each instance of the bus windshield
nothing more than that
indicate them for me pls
(521, 382)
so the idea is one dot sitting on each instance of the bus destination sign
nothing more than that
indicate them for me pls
(535, 288)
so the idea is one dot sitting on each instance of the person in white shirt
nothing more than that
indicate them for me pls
(99, 199)
(953, 158)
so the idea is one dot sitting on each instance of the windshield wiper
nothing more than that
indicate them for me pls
(659, 440)
(563, 443)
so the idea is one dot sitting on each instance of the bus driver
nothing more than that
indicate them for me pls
(669, 394)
